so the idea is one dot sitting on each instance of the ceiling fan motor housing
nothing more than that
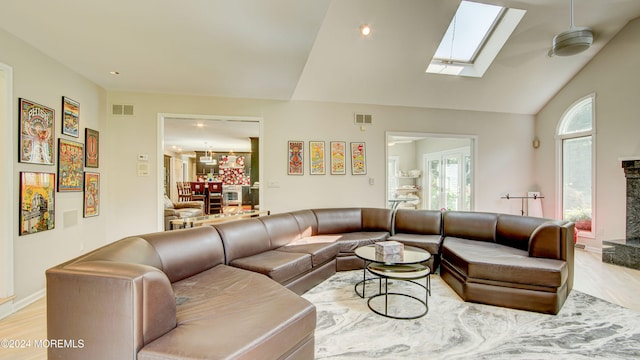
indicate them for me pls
(572, 41)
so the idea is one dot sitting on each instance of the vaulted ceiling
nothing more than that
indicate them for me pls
(308, 49)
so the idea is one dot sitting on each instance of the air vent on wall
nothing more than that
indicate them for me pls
(363, 119)
(126, 110)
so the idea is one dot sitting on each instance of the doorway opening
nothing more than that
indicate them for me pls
(430, 171)
(210, 148)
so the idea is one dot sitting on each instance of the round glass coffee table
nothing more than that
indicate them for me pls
(407, 266)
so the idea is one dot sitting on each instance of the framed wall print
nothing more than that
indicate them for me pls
(91, 194)
(70, 165)
(70, 117)
(338, 157)
(91, 148)
(37, 202)
(316, 158)
(36, 144)
(296, 158)
(358, 159)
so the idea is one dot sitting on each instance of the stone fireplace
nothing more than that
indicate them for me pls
(626, 252)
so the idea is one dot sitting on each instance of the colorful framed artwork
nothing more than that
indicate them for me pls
(358, 159)
(338, 157)
(91, 148)
(70, 117)
(316, 158)
(91, 194)
(70, 165)
(37, 202)
(296, 158)
(36, 143)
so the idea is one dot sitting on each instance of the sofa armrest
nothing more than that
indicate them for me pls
(546, 241)
(114, 308)
(189, 205)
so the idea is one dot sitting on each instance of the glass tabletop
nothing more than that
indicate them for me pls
(410, 255)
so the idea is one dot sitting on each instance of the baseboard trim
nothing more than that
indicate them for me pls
(10, 307)
(6, 309)
(594, 249)
(29, 299)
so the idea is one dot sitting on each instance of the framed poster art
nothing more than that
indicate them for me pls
(316, 158)
(338, 157)
(37, 202)
(358, 159)
(70, 165)
(70, 117)
(91, 148)
(36, 143)
(91, 194)
(296, 158)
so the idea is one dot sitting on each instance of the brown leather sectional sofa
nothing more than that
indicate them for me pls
(201, 293)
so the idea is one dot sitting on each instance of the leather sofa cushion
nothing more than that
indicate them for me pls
(425, 222)
(376, 219)
(336, 221)
(349, 242)
(470, 225)
(197, 249)
(490, 261)
(431, 243)
(320, 252)
(243, 238)
(514, 231)
(282, 228)
(213, 323)
(279, 265)
(307, 222)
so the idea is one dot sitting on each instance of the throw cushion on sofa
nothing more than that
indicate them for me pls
(168, 204)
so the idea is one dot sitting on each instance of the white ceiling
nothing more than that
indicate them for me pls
(307, 49)
(182, 135)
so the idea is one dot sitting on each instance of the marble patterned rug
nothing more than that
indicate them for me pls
(585, 328)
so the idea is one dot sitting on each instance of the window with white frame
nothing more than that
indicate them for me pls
(576, 158)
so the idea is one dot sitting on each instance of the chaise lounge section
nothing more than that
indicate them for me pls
(506, 260)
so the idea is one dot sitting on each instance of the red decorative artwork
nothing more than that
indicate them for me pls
(296, 157)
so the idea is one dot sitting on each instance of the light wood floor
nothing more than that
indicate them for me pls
(613, 283)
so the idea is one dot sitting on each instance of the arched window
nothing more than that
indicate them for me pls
(577, 167)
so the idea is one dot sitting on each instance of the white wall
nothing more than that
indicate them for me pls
(6, 188)
(41, 79)
(504, 152)
(614, 77)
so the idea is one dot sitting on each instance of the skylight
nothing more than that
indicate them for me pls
(475, 35)
(468, 31)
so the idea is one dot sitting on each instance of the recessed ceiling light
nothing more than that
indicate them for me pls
(114, 72)
(365, 30)
(199, 124)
